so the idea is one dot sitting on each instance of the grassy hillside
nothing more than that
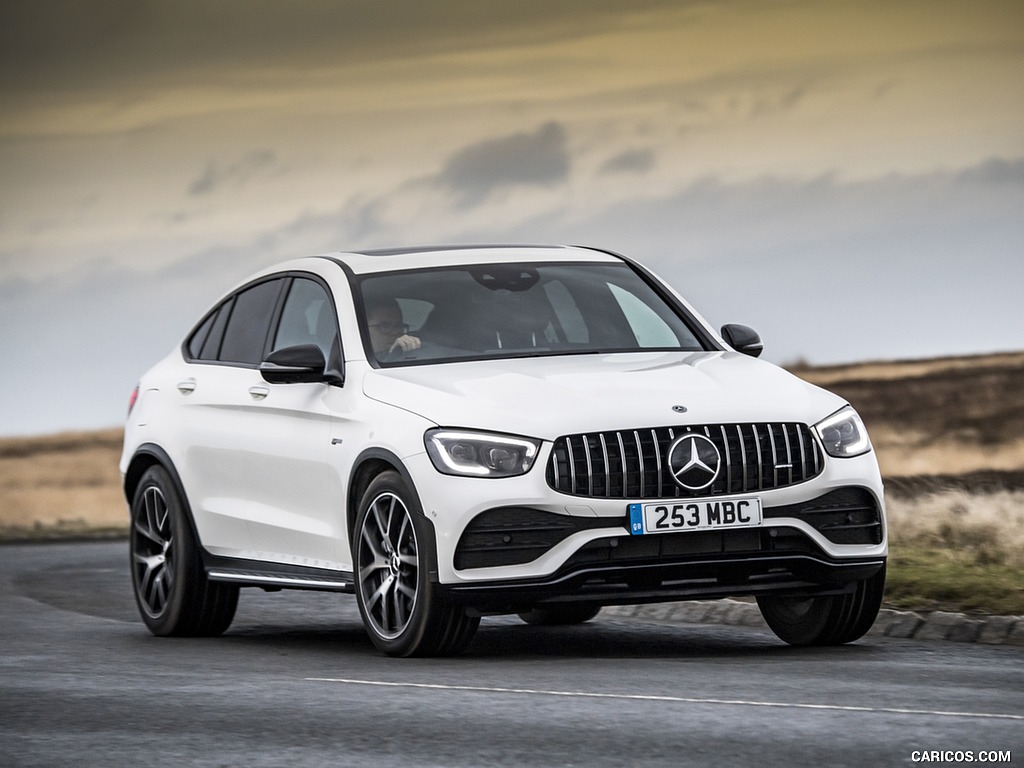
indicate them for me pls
(949, 436)
(61, 485)
(950, 441)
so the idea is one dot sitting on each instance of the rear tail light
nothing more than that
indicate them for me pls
(133, 398)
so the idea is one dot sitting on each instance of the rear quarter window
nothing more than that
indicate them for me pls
(248, 326)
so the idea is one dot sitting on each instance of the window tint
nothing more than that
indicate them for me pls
(649, 329)
(199, 337)
(567, 313)
(307, 318)
(204, 343)
(211, 347)
(247, 328)
(507, 310)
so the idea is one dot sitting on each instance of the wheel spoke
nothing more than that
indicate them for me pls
(398, 606)
(382, 526)
(387, 565)
(406, 589)
(367, 570)
(370, 540)
(148, 533)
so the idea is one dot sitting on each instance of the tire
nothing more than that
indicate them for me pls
(172, 592)
(392, 552)
(561, 615)
(825, 620)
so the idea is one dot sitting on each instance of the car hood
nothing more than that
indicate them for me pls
(547, 397)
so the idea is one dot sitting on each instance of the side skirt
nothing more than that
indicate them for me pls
(275, 576)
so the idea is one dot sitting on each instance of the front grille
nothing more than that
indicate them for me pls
(633, 464)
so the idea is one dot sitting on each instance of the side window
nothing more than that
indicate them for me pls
(204, 344)
(307, 318)
(247, 328)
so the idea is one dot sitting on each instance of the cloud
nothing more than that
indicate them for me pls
(79, 44)
(630, 161)
(831, 271)
(995, 171)
(237, 174)
(540, 158)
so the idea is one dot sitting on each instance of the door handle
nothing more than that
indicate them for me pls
(187, 387)
(259, 392)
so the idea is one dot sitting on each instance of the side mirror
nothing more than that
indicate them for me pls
(743, 339)
(303, 364)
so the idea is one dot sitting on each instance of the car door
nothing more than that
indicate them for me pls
(295, 510)
(219, 394)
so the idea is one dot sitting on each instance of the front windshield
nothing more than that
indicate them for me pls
(515, 310)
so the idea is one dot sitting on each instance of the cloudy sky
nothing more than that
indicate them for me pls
(846, 177)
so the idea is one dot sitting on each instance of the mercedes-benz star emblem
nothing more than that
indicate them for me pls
(694, 461)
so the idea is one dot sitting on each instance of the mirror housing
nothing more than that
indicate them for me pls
(743, 339)
(302, 364)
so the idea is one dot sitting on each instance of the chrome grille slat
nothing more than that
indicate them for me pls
(760, 461)
(640, 460)
(622, 465)
(728, 458)
(590, 466)
(803, 454)
(604, 454)
(572, 465)
(657, 455)
(633, 463)
(789, 454)
(742, 456)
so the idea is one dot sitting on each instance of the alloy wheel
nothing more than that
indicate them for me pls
(153, 551)
(388, 565)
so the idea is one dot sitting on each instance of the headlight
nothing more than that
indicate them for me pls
(843, 434)
(479, 454)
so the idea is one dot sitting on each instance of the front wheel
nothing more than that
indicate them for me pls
(827, 619)
(171, 589)
(403, 612)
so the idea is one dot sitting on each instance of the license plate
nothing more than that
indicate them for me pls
(694, 515)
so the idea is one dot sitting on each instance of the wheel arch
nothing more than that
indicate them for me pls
(151, 455)
(370, 463)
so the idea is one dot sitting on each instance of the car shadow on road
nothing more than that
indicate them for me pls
(507, 637)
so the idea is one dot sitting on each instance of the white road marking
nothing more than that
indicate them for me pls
(673, 699)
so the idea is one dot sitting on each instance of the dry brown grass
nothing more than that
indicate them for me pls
(61, 484)
(950, 416)
(984, 528)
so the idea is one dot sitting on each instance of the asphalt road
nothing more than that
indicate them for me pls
(295, 682)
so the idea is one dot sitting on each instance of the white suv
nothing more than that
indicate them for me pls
(456, 432)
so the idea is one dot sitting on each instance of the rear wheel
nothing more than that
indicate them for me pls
(561, 615)
(403, 612)
(171, 589)
(828, 619)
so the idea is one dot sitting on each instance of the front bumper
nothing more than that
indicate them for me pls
(604, 578)
(518, 535)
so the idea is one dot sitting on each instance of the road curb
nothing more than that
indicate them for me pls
(936, 625)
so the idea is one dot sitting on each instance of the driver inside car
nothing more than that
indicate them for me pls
(389, 335)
